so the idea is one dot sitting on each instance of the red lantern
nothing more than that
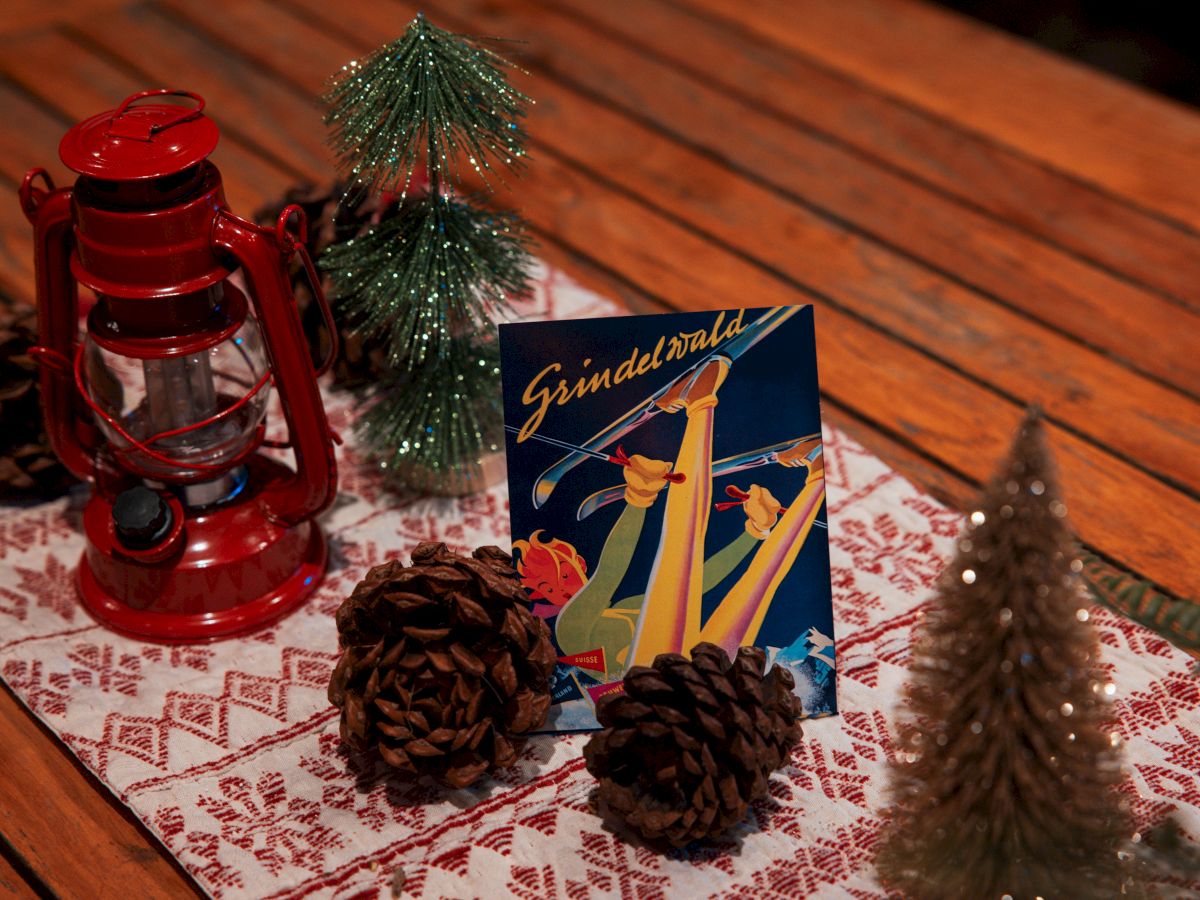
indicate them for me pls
(191, 532)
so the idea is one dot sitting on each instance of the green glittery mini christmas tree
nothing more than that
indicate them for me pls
(1005, 770)
(428, 281)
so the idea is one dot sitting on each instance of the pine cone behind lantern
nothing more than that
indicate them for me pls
(334, 216)
(28, 467)
(691, 743)
(442, 664)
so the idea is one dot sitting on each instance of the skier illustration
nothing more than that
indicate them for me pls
(552, 571)
(589, 615)
(670, 616)
(591, 605)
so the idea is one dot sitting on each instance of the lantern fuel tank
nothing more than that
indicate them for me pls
(193, 531)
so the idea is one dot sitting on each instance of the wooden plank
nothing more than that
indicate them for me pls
(836, 108)
(25, 15)
(1125, 140)
(12, 885)
(67, 827)
(265, 30)
(944, 416)
(1135, 417)
(263, 114)
(77, 83)
(35, 143)
(949, 487)
(847, 188)
(947, 416)
(933, 478)
(592, 276)
(16, 249)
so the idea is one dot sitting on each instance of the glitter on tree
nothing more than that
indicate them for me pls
(427, 281)
(1004, 773)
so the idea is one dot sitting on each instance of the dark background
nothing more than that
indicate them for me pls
(1146, 43)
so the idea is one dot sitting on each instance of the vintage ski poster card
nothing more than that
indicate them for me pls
(667, 487)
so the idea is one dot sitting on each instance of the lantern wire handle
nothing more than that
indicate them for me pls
(299, 244)
(50, 357)
(143, 446)
(185, 114)
(32, 196)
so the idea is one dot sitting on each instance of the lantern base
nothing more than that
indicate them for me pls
(235, 571)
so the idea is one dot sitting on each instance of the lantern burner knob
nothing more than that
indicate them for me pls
(141, 517)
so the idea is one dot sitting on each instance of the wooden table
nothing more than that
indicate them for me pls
(980, 226)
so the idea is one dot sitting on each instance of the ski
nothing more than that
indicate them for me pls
(620, 457)
(729, 465)
(563, 445)
(643, 413)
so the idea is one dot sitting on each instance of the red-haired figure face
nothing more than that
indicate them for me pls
(550, 570)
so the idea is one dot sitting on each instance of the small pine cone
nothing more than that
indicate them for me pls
(442, 664)
(334, 216)
(28, 467)
(691, 743)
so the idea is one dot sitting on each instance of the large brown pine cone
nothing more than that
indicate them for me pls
(334, 216)
(442, 664)
(691, 743)
(28, 467)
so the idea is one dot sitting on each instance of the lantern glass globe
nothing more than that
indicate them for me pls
(160, 402)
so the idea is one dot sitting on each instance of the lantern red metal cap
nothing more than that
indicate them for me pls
(133, 141)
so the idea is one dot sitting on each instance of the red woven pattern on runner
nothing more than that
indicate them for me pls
(229, 751)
